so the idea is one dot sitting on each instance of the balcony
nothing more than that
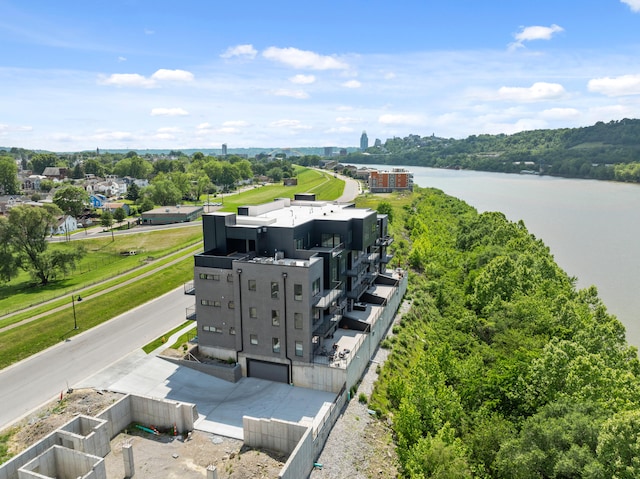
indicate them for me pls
(386, 258)
(191, 313)
(373, 257)
(384, 241)
(329, 296)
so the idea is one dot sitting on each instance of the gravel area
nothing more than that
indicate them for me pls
(361, 446)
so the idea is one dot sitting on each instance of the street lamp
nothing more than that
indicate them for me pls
(73, 305)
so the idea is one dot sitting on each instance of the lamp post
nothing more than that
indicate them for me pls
(73, 305)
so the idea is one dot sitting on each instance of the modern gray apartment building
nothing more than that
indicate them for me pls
(289, 285)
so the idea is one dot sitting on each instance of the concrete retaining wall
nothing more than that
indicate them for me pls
(60, 462)
(222, 371)
(90, 437)
(318, 376)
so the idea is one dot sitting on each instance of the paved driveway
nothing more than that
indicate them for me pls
(220, 404)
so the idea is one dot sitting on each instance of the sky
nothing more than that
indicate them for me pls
(161, 74)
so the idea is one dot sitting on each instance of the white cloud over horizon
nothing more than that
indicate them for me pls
(617, 86)
(242, 51)
(634, 5)
(303, 59)
(540, 91)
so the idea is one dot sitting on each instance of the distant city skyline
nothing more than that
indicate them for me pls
(142, 74)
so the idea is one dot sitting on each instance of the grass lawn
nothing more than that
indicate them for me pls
(156, 343)
(102, 261)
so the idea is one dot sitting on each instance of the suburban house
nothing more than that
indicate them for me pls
(113, 206)
(291, 290)
(55, 173)
(64, 225)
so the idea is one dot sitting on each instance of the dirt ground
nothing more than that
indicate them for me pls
(153, 456)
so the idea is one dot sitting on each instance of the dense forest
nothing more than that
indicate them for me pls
(604, 151)
(502, 368)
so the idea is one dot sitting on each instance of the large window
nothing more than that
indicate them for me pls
(254, 339)
(315, 287)
(297, 292)
(299, 348)
(214, 277)
(212, 329)
(253, 312)
(275, 345)
(275, 317)
(275, 288)
(210, 302)
(252, 285)
(297, 320)
(330, 240)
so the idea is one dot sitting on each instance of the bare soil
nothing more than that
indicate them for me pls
(154, 456)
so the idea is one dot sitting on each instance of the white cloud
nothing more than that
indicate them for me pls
(148, 31)
(346, 120)
(303, 79)
(9, 128)
(164, 136)
(352, 84)
(299, 94)
(391, 119)
(106, 135)
(126, 79)
(122, 59)
(560, 114)
(169, 129)
(203, 126)
(172, 75)
(344, 108)
(235, 123)
(169, 112)
(528, 34)
(618, 86)
(303, 59)
(242, 51)
(539, 91)
(292, 124)
(389, 76)
(340, 129)
(633, 4)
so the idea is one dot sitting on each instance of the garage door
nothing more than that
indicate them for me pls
(265, 370)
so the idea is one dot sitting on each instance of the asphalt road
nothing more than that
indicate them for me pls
(27, 385)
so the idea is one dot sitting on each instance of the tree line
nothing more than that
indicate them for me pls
(502, 368)
(604, 151)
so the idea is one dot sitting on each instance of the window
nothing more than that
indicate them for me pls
(275, 288)
(253, 338)
(252, 285)
(297, 320)
(275, 317)
(275, 345)
(316, 315)
(231, 305)
(232, 331)
(215, 277)
(299, 243)
(297, 292)
(253, 312)
(210, 302)
(230, 278)
(212, 329)
(315, 287)
(299, 349)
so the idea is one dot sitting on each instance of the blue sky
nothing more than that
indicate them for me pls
(78, 75)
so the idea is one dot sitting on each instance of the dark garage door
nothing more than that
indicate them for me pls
(265, 370)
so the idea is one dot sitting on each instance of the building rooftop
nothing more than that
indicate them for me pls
(286, 213)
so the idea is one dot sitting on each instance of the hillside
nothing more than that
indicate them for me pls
(502, 368)
(604, 151)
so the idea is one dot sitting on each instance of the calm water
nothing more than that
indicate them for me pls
(591, 227)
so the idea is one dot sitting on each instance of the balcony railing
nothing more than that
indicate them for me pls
(191, 313)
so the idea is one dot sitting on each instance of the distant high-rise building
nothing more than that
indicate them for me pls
(364, 141)
(224, 149)
(328, 151)
(377, 143)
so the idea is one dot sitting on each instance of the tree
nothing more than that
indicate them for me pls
(133, 192)
(163, 192)
(26, 232)
(385, 208)
(146, 204)
(40, 161)
(9, 176)
(106, 220)
(71, 200)
(119, 215)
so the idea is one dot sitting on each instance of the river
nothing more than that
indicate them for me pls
(592, 227)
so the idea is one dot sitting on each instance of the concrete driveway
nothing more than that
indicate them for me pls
(220, 404)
